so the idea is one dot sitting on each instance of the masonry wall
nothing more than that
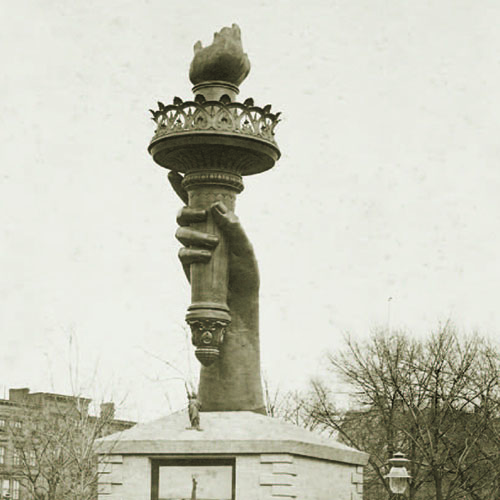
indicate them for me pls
(289, 476)
(258, 477)
(125, 477)
(321, 480)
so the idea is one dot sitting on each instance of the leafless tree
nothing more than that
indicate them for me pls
(54, 449)
(288, 405)
(437, 400)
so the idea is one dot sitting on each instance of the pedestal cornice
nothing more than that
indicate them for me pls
(227, 433)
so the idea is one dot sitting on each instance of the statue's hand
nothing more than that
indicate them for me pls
(198, 246)
(233, 382)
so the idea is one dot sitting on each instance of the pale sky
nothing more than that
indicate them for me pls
(388, 184)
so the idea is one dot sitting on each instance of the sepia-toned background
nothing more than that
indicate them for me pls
(387, 187)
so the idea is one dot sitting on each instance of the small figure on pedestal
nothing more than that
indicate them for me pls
(193, 490)
(194, 406)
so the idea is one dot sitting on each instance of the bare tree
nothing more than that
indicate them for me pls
(288, 405)
(436, 400)
(54, 447)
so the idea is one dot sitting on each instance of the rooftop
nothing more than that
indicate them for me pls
(227, 432)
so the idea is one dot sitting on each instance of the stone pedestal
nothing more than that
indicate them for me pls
(266, 459)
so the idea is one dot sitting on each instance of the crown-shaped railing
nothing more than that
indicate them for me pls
(221, 116)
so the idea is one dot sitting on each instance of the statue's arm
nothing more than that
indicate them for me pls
(233, 382)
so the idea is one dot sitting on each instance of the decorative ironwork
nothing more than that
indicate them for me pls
(207, 337)
(228, 179)
(221, 116)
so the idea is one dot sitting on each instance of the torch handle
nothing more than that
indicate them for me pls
(209, 280)
(209, 315)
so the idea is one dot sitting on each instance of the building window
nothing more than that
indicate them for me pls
(2, 423)
(193, 478)
(32, 457)
(5, 487)
(15, 489)
(17, 424)
(17, 457)
(2, 454)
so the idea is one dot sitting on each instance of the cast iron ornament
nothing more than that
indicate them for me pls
(221, 116)
(207, 336)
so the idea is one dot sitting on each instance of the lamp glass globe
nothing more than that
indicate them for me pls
(398, 484)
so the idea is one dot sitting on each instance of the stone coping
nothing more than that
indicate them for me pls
(231, 433)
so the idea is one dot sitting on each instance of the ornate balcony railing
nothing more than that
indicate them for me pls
(221, 117)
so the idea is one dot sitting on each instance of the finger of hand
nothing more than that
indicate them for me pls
(192, 237)
(187, 216)
(175, 180)
(189, 256)
(230, 224)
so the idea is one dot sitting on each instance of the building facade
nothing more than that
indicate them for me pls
(25, 410)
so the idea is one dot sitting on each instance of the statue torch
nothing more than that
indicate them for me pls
(214, 140)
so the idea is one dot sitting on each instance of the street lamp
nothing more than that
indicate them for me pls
(398, 475)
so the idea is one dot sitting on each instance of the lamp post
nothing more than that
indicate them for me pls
(398, 475)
